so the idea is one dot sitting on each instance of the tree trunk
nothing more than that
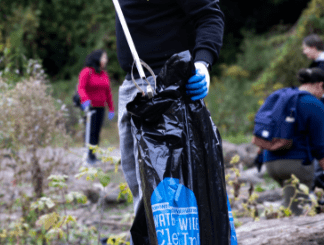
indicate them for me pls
(37, 175)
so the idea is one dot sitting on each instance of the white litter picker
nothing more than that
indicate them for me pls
(89, 114)
(149, 90)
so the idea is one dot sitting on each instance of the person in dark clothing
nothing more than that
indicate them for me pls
(308, 141)
(160, 29)
(313, 48)
(95, 93)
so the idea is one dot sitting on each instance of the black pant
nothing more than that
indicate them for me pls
(95, 127)
(318, 175)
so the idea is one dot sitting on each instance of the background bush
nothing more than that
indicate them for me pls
(264, 40)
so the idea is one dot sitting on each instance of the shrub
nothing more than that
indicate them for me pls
(30, 116)
(29, 120)
(257, 51)
(229, 103)
(289, 58)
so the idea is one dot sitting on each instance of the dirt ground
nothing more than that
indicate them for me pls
(116, 216)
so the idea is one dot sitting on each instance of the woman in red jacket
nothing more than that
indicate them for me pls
(95, 94)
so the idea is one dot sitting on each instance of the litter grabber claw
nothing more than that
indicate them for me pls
(149, 89)
(137, 61)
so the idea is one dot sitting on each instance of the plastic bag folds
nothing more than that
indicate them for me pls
(181, 164)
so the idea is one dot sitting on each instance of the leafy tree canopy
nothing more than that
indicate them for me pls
(61, 33)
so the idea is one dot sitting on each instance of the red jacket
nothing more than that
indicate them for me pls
(95, 87)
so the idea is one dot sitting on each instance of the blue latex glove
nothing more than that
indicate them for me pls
(111, 115)
(198, 84)
(86, 105)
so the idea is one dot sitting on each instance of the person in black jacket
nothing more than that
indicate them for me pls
(160, 29)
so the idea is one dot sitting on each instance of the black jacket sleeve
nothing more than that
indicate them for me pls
(208, 21)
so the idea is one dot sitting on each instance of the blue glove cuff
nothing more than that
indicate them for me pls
(111, 115)
(85, 104)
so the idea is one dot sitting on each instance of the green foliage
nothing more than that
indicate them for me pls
(259, 188)
(18, 33)
(58, 181)
(260, 17)
(267, 62)
(31, 119)
(79, 27)
(117, 240)
(13, 72)
(125, 193)
(94, 173)
(51, 226)
(250, 203)
(39, 119)
(43, 202)
(238, 138)
(289, 58)
(258, 51)
(299, 189)
(61, 33)
(230, 104)
(271, 185)
(76, 196)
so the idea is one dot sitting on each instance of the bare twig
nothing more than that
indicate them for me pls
(67, 225)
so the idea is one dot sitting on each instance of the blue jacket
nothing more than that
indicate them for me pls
(308, 142)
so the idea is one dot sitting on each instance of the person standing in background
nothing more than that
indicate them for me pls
(95, 94)
(159, 30)
(313, 48)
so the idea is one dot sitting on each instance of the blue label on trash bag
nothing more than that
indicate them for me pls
(231, 220)
(175, 214)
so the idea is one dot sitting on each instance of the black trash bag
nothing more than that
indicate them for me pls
(76, 99)
(181, 165)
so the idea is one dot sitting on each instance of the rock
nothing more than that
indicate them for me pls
(109, 194)
(269, 196)
(285, 231)
(252, 176)
(247, 153)
(92, 195)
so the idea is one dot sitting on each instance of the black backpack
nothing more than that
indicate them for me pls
(76, 98)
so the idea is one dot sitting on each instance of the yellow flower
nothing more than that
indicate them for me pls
(235, 159)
